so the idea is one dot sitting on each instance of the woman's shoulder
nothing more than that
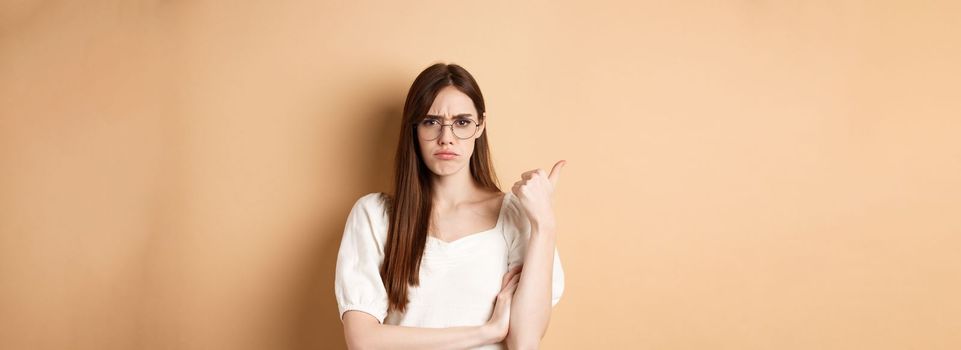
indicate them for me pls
(374, 203)
(374, 198)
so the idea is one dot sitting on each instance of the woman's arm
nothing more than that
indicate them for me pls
(363, 331)
(531, 309)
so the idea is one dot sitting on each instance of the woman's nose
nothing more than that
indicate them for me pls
(446, 135)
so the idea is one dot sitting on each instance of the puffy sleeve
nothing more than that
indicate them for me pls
(357, 282)
(521, 234)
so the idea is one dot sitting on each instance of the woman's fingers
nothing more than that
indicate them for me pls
(512, 285)
(507, 293)
(507, 276)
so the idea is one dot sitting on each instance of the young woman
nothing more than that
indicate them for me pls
(438, 265)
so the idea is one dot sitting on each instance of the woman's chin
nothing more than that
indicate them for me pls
(446, 169)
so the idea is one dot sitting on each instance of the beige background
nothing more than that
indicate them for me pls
(742, 174)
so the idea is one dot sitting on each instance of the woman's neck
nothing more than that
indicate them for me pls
(455, 189)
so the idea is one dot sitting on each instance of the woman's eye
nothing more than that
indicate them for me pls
(463, 122)
(429, 122)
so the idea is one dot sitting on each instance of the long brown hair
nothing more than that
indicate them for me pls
(410, 208)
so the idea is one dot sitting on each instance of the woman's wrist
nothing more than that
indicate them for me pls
(486, 334)
(543, 226)
(544, 221)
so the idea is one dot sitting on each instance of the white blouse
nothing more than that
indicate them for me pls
(459, 280)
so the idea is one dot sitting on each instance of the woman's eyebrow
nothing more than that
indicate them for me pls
(456, 116)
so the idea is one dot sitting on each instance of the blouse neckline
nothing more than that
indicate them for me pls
(497, 226)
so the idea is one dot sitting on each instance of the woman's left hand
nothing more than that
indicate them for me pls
(535, 191)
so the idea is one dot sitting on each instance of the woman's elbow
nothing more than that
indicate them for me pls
(524, 346)
(356, 341)
(523, 342)
(352, 346)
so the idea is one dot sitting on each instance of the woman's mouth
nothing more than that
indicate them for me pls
(445, 155)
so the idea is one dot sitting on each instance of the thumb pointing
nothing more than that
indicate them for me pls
(555, 174)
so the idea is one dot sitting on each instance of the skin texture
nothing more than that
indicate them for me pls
(460, 208)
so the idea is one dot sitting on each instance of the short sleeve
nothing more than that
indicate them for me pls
(521, 234)
(357, 282)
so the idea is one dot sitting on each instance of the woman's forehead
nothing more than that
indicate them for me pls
(451, 102)
(452, 109)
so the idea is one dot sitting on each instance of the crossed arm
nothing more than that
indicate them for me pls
(362, 331)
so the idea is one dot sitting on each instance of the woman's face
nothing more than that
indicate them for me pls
(449, 107)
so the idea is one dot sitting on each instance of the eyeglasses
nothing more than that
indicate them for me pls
(430, 129)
